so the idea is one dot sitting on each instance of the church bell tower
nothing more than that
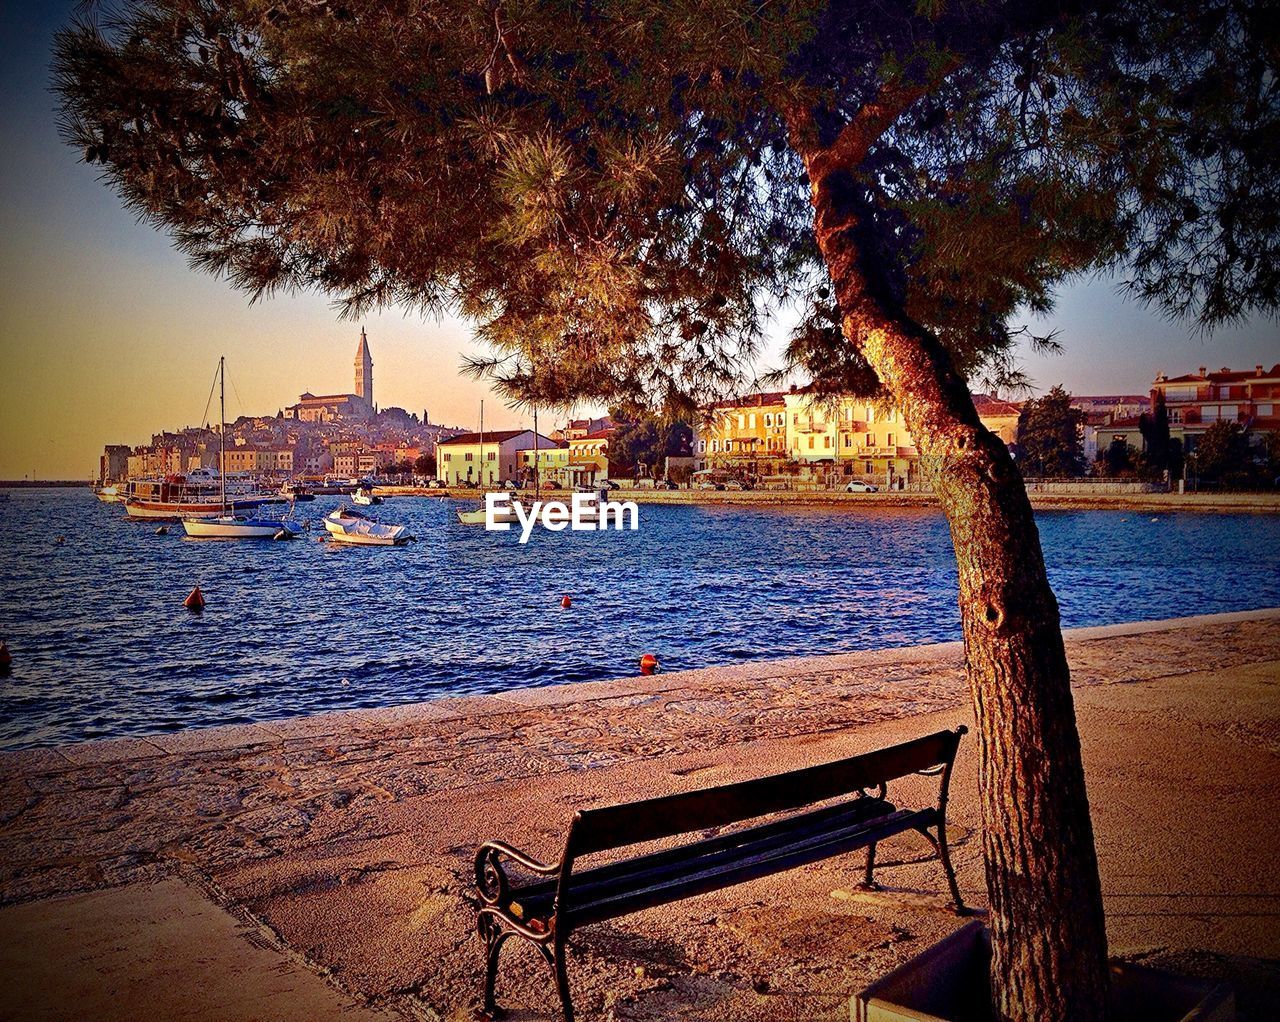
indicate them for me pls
(364, 371)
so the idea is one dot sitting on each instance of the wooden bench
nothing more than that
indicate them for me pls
(553, 900)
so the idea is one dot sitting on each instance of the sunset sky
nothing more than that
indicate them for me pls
(106, 336)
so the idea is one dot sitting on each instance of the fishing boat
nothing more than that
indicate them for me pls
(365, 495)
(175, 497)
(347, 525)
(228, 523)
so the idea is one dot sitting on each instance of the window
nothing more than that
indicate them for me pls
(810, 443)
(751, 423)
(470, 456)
(866, 467)
(848, 440)
(871, 414)
(795, 418)
(889, 440)
(715, 446)
(768, 420)
(826, 442)
(728, 445)
(742, 421)
(871, 440)
(1264, 411)
(702, 446)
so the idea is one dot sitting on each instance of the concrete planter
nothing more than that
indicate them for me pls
(948, 983)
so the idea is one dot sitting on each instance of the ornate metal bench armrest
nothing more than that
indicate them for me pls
(491, 878)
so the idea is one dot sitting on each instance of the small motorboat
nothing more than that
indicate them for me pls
(365, 495)
(347, 525)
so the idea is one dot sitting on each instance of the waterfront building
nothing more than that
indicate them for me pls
(552, 466)
(1197, 400)
(114, 463)
(745, 436)
(327, 407)
(485, 460)
(999, 416)
(589, 456)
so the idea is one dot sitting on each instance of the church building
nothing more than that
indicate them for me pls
(323, 408)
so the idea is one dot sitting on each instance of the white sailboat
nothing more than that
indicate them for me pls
(253, 525)
(347, 525)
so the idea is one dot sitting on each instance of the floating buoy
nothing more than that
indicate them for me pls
(162, 530)
(6, 660)
(565, 602)
(194, 600)
(648, 663)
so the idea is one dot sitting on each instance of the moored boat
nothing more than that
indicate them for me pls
(347, 525)
(253, 526)
(365, 495)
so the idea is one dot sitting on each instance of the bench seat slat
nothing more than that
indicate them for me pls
(610, 890)
(790, 828)
(678, 885)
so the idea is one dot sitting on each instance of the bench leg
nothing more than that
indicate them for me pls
(944, 853)
(494, 936)
(868, 878)
(562, 978)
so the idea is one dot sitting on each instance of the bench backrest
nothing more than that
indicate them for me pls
(598, 830)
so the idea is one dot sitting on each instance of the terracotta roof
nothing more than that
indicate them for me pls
(988, 405)
(494, 436)
(771, 397)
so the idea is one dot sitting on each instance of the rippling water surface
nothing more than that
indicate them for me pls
(103, 647)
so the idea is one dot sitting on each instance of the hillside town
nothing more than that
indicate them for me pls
(775, 439)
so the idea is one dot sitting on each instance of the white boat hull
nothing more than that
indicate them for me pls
(360, 531)
(233, 528)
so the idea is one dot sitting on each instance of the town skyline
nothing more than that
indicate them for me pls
(108, 335)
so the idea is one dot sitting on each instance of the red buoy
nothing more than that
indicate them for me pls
(195, 600)
(648, 663)
(566, 603)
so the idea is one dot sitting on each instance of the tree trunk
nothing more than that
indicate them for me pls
(1047, 924)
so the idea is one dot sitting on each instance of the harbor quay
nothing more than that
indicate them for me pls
(322, 867)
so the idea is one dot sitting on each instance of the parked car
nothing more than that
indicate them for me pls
(735, 484)
(706, 484)
(859, 487)
(435, 484)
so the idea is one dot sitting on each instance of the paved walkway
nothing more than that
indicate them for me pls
(347, 838)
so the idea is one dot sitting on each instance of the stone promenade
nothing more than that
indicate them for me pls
(321, 866)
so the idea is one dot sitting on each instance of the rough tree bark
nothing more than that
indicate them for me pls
(1047, 925)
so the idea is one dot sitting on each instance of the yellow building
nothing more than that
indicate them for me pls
(744, 436)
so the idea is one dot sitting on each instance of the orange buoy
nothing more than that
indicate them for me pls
(195, 600)
(648, 663)
(565, 602)
(6, 660)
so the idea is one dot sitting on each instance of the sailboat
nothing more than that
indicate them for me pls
(253, 525)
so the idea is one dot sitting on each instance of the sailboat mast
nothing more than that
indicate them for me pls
(222, 431)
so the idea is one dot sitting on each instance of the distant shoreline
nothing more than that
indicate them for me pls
(41, 484)
(1209, 503)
